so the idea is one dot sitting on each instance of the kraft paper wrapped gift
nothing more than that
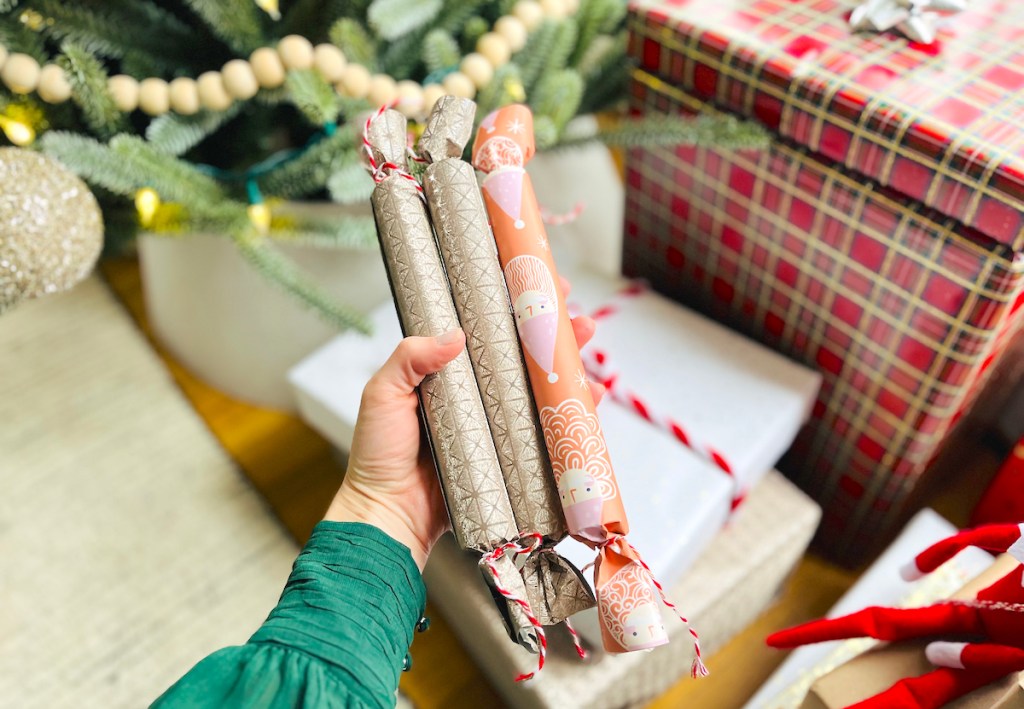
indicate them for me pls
(880, 585)
(732, 581)
(878, 239)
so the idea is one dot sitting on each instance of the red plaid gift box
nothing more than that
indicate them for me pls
(1004, 499)
(879, 239)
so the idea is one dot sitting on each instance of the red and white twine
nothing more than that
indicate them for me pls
(379, 171)
(572, 215)
(597, 363)
(698, 668)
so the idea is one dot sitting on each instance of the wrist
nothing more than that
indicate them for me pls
(353, 505)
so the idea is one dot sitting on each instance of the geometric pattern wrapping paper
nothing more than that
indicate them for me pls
(940, 123)
(901, 308)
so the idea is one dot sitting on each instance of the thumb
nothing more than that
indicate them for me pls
(415, 358)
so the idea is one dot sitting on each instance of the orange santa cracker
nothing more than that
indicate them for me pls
(625, 589)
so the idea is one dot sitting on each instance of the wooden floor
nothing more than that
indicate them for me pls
(297, 472)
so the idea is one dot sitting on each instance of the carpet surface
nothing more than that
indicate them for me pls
(130, 545)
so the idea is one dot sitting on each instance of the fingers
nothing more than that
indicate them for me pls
(413, 359)
(566, 286)
(883, 624)
(597, 390)
(975, 656)
(583, 328)
(930, 691)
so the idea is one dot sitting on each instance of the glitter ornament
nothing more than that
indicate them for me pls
(51, 231)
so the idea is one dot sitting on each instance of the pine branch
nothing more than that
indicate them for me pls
(500, 91)
(717, 130)
(88, 81)
(596, 18)
(174, 180)
(472, 30)
(545, 133)
(392, 19)
(440, 51)
(93, 161)
(342, 232)
(558, 96)
(176, 135)
(456, 13)
(546, 50)
(313, 96)
(605, 70)
(309, 172)
(159, 43)
(237, 22)
(354, 41)
(277, 267)
(350, 183)
(17, 37)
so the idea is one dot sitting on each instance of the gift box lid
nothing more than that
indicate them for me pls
(940, 123)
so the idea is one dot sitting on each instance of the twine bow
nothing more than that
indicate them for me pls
(918, 20)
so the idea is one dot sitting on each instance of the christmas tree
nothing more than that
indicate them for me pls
(199, 115)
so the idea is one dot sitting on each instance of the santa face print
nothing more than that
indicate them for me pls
(643, 627)
(581, 498)
(535, 303)
(532, 304)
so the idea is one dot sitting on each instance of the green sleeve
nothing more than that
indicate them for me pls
(337, 637)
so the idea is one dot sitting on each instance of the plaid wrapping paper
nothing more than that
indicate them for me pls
(901, 308)
(940, 123)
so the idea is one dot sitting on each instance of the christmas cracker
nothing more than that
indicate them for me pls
(467, 465)
(627, 605)
(554, 589)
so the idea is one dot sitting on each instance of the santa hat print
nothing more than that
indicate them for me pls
(998, 538)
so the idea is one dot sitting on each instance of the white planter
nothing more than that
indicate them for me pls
(235, 329)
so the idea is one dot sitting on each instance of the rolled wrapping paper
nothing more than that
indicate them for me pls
(552, 586)
(627, 605)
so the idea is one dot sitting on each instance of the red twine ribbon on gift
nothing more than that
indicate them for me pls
(379, 171)
(572, 215)
(597, 364)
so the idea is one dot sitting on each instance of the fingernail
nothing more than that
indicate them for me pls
(449, 338)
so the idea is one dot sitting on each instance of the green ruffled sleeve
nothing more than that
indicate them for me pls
(337, 637)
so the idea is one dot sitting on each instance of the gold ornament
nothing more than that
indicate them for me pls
(51, 230)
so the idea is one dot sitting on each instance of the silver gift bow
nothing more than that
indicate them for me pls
(918, 20)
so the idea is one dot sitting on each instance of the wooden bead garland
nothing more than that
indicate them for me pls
(267, 68)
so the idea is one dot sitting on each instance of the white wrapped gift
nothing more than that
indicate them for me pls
(735, 401)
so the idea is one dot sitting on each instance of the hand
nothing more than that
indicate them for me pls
(391, 482)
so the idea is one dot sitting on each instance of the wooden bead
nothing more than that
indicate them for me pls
(239, 81)
(495, 47)
(267, 67)
(458, 84)
(212, 94)
(154, 96)
(20, 73)
(53, 84)
(3, 55)
(184, 95)
(513, 30)
(432, 93)
(382, 91)
(329, 61)
(529, 12)
(296, 52)
(479, 70)
(124, 90)
(355, 81)
(555, 9)
(410, 98)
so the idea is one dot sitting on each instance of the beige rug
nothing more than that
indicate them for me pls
(130, 546)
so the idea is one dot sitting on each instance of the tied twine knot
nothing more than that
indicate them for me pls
(490, 560)
(382, 170)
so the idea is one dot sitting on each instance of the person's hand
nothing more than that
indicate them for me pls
(391, 482)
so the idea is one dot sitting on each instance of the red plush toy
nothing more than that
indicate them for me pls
(994, 622)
